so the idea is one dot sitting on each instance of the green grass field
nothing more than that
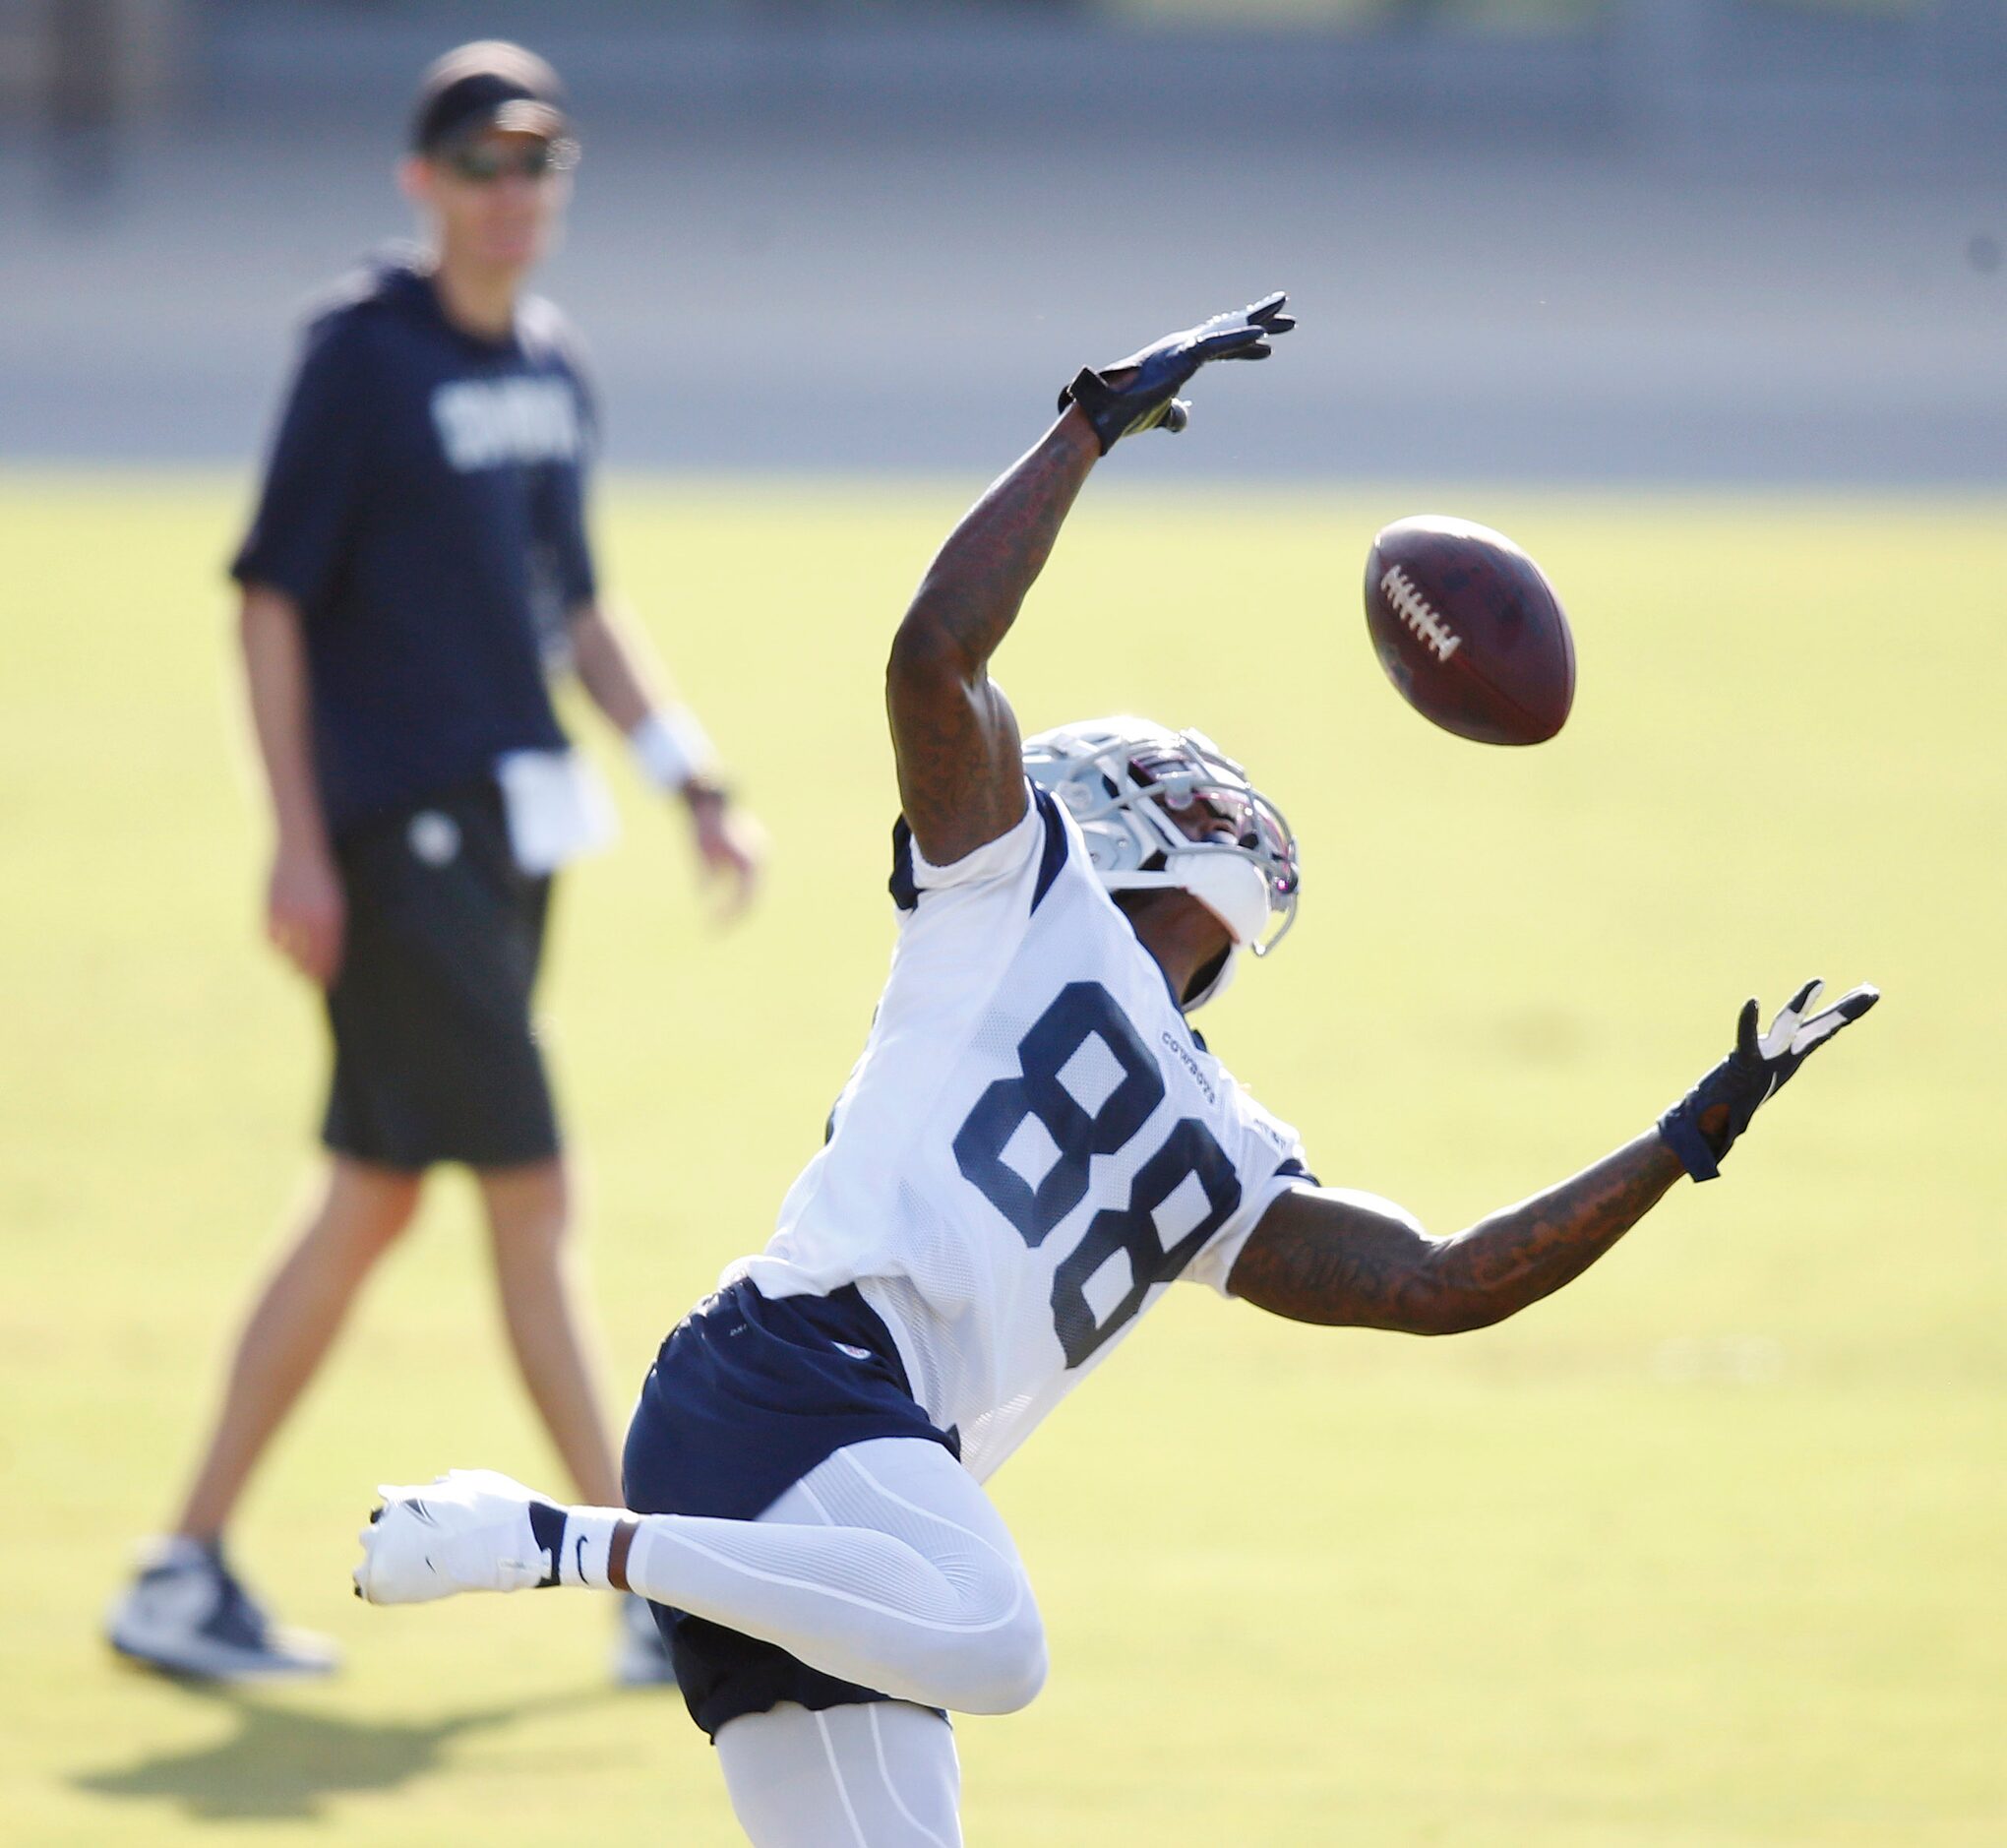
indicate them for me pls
(1710, 1550)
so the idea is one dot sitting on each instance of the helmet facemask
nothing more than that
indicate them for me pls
(1131, 784)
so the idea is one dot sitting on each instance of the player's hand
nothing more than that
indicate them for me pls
(1141, 392)
(305, 912)
(1702, 1127)
(730, 847)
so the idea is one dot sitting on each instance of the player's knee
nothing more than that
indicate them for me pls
(1023, 1672)
(1004, 1669)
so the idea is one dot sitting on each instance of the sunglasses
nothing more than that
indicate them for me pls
(481, 163)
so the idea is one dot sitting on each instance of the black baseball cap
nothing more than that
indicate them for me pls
(487, 85)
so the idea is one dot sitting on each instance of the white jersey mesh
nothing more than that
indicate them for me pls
(1032, 1146)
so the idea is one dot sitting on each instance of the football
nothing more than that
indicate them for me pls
(1470, 631)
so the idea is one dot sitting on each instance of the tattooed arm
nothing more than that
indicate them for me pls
(1333, 1258)
(961, 778)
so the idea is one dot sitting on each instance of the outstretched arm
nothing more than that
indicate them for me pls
(1346, 1258)
(1340, 1259)
(961, 782)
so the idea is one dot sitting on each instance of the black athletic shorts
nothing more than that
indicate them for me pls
(746, 1395)
(435, 1055)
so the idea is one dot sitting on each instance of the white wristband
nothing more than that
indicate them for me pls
(670, 747)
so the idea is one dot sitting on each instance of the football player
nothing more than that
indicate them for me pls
(1032, 1147)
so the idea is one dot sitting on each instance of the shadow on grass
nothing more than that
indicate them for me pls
(282, 1763)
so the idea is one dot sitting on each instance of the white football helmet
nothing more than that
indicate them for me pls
(1127, 782)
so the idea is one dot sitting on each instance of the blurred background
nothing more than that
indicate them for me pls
(1580, 239)
(1700, 300)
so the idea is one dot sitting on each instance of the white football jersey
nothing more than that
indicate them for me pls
(1032, 1146)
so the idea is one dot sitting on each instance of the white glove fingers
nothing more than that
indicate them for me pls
(1784, 1030)
(1848, 1008)
(1819, 1027)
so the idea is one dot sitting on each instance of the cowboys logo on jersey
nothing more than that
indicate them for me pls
(1034, 1143)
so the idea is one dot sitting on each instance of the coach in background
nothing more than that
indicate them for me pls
(417, 560)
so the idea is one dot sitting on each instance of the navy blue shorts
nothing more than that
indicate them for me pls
(436, 1056)
(746, 1395)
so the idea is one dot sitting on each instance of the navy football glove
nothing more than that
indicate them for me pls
(1702, 1127)
(1148, 399)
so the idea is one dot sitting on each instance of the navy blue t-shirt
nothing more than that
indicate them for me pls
(424, 506)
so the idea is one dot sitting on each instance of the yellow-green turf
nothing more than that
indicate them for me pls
(1711, 1549)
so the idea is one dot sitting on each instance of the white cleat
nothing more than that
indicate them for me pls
(468, 1530)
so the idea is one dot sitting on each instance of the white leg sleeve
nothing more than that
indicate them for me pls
(885, 1565)
(878, 1777)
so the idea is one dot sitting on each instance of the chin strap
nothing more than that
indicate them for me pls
(1234, 889)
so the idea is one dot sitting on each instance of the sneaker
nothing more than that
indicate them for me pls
(185, 1614)
(640, 1658)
